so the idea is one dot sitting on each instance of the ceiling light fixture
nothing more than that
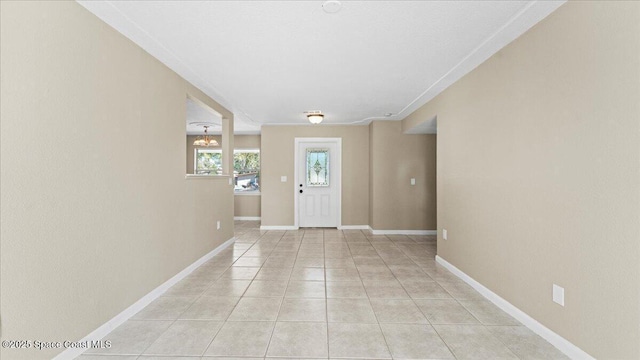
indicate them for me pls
(315, 117)
(205, 140)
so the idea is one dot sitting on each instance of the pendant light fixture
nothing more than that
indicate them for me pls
(205, 140)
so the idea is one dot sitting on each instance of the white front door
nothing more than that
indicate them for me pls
(318, 181)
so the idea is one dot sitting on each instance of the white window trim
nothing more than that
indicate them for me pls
(247, 193)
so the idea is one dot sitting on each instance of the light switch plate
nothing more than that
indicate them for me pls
(283, 179)
(218, 225)
(413, 181)
(444, 234)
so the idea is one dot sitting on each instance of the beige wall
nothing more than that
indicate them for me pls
(539, 174)
(394, 203)
(277, 153)
(96, 212)
(247, 205)
(378, 162)
(244, 142)
(371, 185)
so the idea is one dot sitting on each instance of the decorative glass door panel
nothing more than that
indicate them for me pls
(317, 167)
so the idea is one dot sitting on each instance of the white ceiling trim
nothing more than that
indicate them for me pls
(116, 19)
(526, 18)
(512, 29)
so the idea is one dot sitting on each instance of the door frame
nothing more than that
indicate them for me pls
(337, 171)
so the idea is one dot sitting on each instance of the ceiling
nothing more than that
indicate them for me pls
(199, 116)
(270, 61)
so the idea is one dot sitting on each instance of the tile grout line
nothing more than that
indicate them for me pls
(485, 326)
(414, 301)
(369, 300)
(178, 317)
(392, 253)
(326, 292)
(240, 298)
(273, 330)
(480, 323)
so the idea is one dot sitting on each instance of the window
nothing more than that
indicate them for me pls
(246, 167)
(208, 162)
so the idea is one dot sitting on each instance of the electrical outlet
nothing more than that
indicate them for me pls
(413, 181)
(558, 295)
(230, 181)
(218, 225)
(283, 179)
(444, 234)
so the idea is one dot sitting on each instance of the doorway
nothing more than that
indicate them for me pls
(318, 182)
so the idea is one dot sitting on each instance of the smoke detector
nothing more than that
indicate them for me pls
(331, 6)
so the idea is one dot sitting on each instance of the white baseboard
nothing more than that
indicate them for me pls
(353, 227)
(403, 232)
(246, 218)
(278, 227)
(129, 312)
(556, 340)
(359, 227)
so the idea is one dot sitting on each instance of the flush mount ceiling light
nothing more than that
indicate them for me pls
(205, 140)
(315, 116)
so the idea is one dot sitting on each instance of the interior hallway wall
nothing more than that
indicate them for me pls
(95, 208)
(378, 162)
(396, 158)
(247, 205)
(539, 174)
(277, 159)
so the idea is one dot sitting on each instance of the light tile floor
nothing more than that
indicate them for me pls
(323, 294)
